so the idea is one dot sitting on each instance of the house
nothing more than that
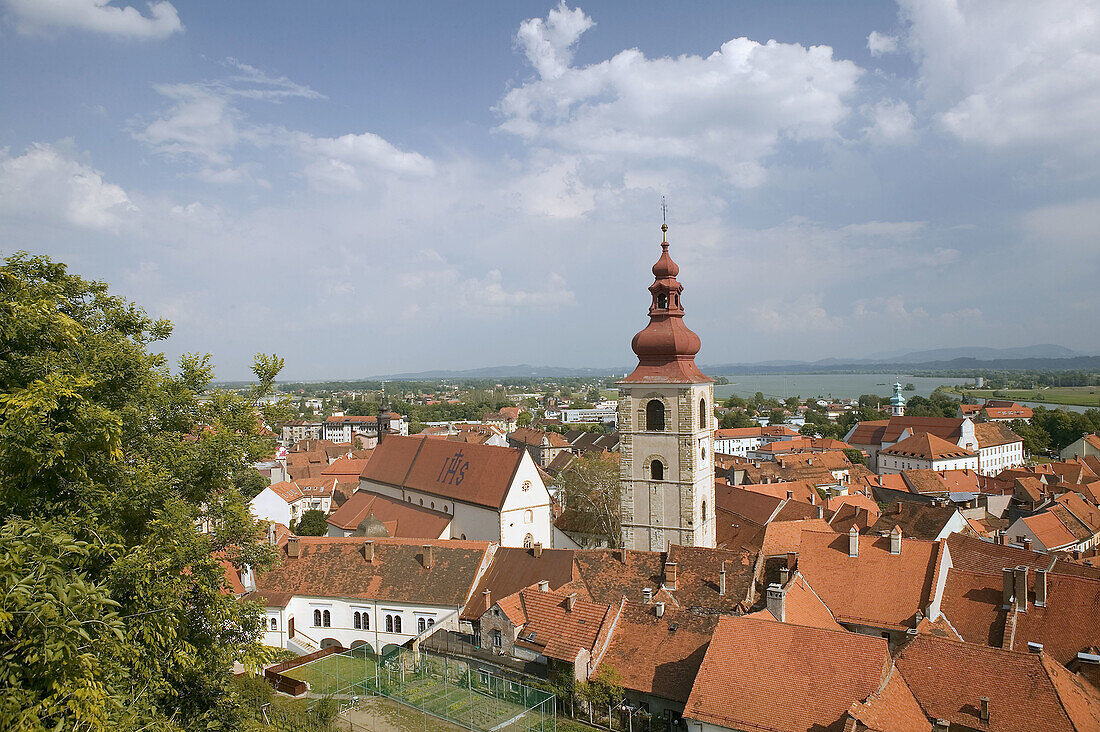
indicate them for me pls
(557, 628)
(299, 429)
(504, 420)
(1005, 411)
(365, 592)
(974, 687)
(877, 585)
(344, 428)
(285, 502)
(544, 447)
(493, 493)
(374, 515)
(512, 569)
(656, 650)
(925, 451)
(739, 441)
(999, 448)
(763, 675)
(920, 521)
(1086, 446)
(1070, 523)
(796, 445)
(874, 435)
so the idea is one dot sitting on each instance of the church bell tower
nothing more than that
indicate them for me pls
(666, 428)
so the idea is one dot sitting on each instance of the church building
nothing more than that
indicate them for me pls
(666, 427)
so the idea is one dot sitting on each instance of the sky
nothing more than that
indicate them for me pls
(369, 188)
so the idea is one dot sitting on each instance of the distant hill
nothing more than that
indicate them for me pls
(1044, 350)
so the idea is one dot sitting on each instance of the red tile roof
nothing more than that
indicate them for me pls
(477, 474)
(764, 676)
(514, 568)
(1050, 530)
(990, 434)
(1026, 691)
(781, 537)
(927, 446)
(555, 630)
(802, 606)
(346, 469)
(291, 491)
(653, 658)
(409, 521)
(875, 587)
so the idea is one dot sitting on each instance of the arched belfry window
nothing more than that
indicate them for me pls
(702, 414)
(657, 470)
(662, 301)
(655, 415)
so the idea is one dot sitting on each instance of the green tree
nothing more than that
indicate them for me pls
(312, 523)
(113, 605)
(777, 417)
(735, 402)
(590, 492)
(735, 420)
(1036, 439)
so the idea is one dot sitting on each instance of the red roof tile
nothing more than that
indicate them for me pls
(410, 521)
(927, 446)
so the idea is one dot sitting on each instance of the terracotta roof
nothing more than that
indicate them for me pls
(362, 419)
(892, 709)
(925, 481)
(800, 490)
(855, 498)
(764, 676)
(653, 658)
(346, 468)
(555, 630)
(869, 432)
(336, 567)
(1049, 529)
(874, 588)
(802, 606)
(734, 433)
(514, 568)
(927, 446)
(411, 521)
(781, 537)
(528, 436)
(975, 555)
(830, 460)
(995, 433)
(477, 474)
(1085, 512)
(848, 516)
(732, 531)
(1026, 691)
(1014, 412)
(970, 410)
(917, 520)
(756, 506)
(300, 488)
(609, 575)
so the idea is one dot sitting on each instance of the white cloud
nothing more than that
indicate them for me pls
(548, 44)
(97, 16)
(342, 160)
(880, 44)
(1065, 230)
(891, 122)
(1011, 72)
(803, 314)
(201, 123)
(48, 184)
(729, 109)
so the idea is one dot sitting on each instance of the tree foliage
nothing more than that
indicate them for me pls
(113, 607)
(590, 492)
(312, 523)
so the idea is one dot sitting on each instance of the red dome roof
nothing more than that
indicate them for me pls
(666, 347)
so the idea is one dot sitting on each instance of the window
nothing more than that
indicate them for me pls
(431, 622)
(316, 618)
(702, 414)
(389, 623)
(497, 639)
(327, 617)
(528, 541)
(704, 511)
(421, 625)
(433, 504)
(361, 621)
(528, 516)
(274, 624)
(657, 470)
(662, 301)
(655, 415)
(396, 623)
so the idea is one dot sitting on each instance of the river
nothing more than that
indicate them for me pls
(834, 386)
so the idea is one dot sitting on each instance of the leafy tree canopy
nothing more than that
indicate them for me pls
(113, 605)
(312, 523)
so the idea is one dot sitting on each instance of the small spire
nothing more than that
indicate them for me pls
(664, 222)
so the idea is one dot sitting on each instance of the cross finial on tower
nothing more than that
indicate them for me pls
(664, 221)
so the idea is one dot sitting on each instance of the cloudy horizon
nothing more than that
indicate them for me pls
(373, 190)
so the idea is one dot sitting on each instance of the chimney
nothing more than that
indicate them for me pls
(897, 507)
(1021, 587)
(428, 556)
(790, 495)
(368, 551)
(293, 547)
(1027, 543)
(895, 540)
(670, 575)
(1006, 587)
(792, 559)
(544, 585)
(853, 542)
(820, 511)
(1001, 536)
(1040, 588)
(784, 575)
(659, 609)
(984, 713)
(647, 595)
(536, 549)
(488, 598)
(722, 580)
(775, 602)
(941, 725)
(570, 601)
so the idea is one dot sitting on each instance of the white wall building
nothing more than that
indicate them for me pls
(925, 451)
(343, 427)
(494, 493)
(287, 501)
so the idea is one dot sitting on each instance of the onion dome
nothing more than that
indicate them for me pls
(666, 347)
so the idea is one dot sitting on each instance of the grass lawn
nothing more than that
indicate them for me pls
(1082, 396)
(331, 674)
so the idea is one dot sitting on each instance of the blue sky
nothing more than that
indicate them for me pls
(368, 188)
